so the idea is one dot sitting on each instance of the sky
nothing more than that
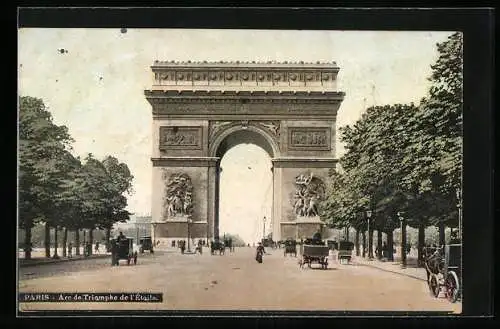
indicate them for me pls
(96, 89)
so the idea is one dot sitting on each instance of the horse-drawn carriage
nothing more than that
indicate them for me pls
(290, 247)
(332, 244)
(123, 249)
(146, 243)
(444, 267)
(344, 253)
(314, 251)
(217, 246)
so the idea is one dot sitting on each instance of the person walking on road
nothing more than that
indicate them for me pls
(70, 250)
(114, 252)
(183, 246)
(96, 249)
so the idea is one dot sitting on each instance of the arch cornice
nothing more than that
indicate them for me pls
(217, 139)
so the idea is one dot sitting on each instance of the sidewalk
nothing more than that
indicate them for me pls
(43, 261)
(411, 270)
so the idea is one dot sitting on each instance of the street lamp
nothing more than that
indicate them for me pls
(264, 228)
(459, 206)
(370, 240)
(189, 234)
(403, 240)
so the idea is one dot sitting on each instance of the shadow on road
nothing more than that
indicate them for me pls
(320, 269)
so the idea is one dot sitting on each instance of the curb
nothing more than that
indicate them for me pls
(390, 271)
(62, 260)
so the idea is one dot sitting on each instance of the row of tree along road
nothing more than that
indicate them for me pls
(403, 162)
(60, 190)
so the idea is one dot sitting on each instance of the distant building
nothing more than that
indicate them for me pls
(143, 224)
(136, 227)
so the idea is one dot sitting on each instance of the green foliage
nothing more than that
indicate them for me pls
(42, 149)
(404, 157)
(57, 188)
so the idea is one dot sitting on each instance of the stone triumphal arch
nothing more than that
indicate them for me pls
(201, 110)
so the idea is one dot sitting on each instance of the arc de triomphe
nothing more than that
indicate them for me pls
(201, 110)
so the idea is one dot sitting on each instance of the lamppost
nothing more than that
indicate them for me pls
(370, 238)
(189, 234)
(264, 228)
(459, 206)
(403, 239)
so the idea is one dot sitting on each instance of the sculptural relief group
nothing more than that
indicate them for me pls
(309, 193)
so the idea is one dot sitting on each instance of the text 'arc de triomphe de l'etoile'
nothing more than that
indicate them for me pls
(202, 109)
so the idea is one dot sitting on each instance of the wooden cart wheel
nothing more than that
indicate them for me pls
(452, 287)
(434, 285)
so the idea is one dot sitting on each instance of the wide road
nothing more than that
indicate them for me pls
(234, 281)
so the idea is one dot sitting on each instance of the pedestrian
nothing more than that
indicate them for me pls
(200, 246)
(96, 249)
(70, 250)
(384, 250)
(120, 237)
(89, 248)
(114, 252)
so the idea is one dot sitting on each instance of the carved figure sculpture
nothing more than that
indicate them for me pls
(274, 128)
(310, 191)
(179, 195)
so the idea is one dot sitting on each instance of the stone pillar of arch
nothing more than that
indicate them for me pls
(200, 110)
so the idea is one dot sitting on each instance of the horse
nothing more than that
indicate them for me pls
(217, 246)
(433, 260)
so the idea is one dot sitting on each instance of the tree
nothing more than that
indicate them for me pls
(437, 160)
(41, 142)
(120, 182)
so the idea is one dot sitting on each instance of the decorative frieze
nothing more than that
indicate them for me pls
(175, 137)
(314, 138)
(168, 73)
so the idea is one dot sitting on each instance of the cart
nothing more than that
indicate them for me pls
(344, 253)
(123, 250)
(453, 270)
(315, 254)
(444, 267)
(332, 244)
(146, 243)
(217, 246)
(290, 247)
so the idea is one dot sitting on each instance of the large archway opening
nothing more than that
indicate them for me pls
(244, 186)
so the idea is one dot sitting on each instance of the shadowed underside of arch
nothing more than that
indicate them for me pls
(237, 136)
